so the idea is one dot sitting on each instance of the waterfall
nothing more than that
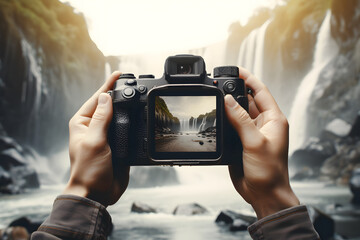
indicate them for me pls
(194, 127)
(214, 125)
(251, 54)
(184, 125)
(325, 50)
(202, 125)
(33, 85)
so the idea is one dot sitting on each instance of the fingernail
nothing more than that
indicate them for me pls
(230, 101)
(102, 99)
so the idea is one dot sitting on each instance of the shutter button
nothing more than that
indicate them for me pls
(128, 92)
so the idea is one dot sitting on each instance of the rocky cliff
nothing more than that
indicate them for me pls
(206, 120)
(284, 47)
(48, 67)
(337, 92)
(164, 120)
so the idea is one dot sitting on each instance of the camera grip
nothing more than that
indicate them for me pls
(120, 132)
(244, 102)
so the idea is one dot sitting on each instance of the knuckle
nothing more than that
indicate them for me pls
(93, 144)
(257, 144)
(241, 113)
(98, 115)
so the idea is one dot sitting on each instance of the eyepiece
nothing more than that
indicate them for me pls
(184, 69)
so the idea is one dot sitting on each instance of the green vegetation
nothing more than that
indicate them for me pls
(209, 115)
(51, 26)
(161, 107)
(294, 26)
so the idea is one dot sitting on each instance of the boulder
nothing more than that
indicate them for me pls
(152, 176)
(239, 225)
(228, 217)
(15, 173)
(29, 225)
(8, 142)
(304, 173)
(354, 184)
(11, 157)
(322, 222)
(237, 221)
(313, 154)
(25, 177)
(338, 128)
(139, 207)
(190, 209)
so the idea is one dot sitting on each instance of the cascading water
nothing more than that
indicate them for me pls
(214, 125)
(202, 125)
(325, 50)
(32, 85)
(31, 97)
(184, 125)
(194, 124)
(251, 54)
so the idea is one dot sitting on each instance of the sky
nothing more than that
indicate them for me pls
(120, 27)
(190, 106)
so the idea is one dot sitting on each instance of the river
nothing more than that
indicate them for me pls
(215, 194)
(185, 142)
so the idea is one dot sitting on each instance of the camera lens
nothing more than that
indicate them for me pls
(184, 69)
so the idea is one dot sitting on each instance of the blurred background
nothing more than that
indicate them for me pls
(55, 54)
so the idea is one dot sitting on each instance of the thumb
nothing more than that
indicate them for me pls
(240, 120)
(102, 116)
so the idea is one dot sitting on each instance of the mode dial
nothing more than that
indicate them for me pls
(127, 75)
(226, 71)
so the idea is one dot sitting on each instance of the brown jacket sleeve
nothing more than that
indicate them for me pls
(290, 224)
(74, 217)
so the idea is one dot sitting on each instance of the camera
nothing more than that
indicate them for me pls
(178, 119)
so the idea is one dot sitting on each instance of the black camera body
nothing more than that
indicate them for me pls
(178, 119)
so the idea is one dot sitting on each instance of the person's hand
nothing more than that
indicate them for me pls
(90, 155)
(264, 133)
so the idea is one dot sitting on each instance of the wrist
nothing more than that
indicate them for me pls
(274, 202)
(78, 190)
(82, 191)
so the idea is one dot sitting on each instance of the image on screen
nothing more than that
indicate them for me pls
(185, 123)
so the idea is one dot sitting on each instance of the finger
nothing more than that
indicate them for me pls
(242, 122)
(262, 96)
(244, 73)
(101, 118)
(253, 110)
(89, 106)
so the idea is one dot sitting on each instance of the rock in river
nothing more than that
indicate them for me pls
(139, 207)
(190, 209)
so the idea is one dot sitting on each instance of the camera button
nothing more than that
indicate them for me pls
(142, 88)
(146, 76)
(229, 86)
(130, 82)
(127, 75)
(128, 92)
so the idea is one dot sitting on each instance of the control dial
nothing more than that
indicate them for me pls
(226, 71)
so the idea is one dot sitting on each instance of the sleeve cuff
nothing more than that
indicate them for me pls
(75, 217)
(291, 223)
